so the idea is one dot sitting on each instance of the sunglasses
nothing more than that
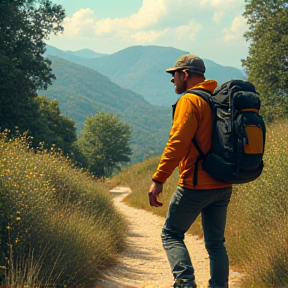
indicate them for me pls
(179, 71)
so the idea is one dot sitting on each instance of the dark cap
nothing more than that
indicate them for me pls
(189, 62)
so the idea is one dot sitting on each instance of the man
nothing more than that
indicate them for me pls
(192, 118)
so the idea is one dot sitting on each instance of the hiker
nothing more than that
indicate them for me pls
(192, 119)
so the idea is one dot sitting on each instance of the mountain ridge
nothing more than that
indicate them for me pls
(86, 53)
(142, 70)
(130, 83)
(83, 92)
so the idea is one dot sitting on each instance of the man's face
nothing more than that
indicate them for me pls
(179, 82)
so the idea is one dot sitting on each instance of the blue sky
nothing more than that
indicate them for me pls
(211, 29)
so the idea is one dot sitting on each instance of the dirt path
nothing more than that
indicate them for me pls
(144, 263)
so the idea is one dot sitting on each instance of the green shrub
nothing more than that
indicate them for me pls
(58, 224)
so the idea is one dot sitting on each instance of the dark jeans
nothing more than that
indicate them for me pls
(184, 208)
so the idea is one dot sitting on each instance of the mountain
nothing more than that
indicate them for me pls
(73, 56)
(53, 51)
(86, 53)
(142, 70)
(82, 92)
(129, 83)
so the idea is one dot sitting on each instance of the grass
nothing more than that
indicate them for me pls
(57, 223)
(257, 230)
(257, 223)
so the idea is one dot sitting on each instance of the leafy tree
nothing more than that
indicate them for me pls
(42, 121)
(104, 143)
(49, 127)
(267, 63)
(24, 25)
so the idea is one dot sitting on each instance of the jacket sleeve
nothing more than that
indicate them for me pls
(185, 123)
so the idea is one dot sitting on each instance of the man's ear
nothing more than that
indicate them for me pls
(185, 75)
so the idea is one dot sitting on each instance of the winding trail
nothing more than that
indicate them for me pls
(143, 264)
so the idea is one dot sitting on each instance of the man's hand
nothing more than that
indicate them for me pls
(154, 191)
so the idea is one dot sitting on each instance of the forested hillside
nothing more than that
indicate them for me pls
(83, 92)
(142, 69)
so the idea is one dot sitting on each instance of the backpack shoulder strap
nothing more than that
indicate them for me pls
(207, 97)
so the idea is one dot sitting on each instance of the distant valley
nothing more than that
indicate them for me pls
(83, 92)
(131, 84)
(142, 69)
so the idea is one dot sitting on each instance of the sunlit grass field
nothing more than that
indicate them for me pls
(58, 224)
(257, 224)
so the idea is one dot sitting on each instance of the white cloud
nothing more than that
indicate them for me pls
(155, 20)
(223, 4)
(183, 33)
(188, 31)
(221, 8)
(80, 23)
(149, 14)
(149, 37)
(84, 23)
(220, 4)
(190, 25)
(218, 16)
(156, 15)
(236, 31)
(146, 17)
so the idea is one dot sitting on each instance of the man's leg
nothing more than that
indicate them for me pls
(182, 213)
(213, 222)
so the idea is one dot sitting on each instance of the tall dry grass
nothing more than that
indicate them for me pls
(257, 230)
(257, 223)
(58, 224)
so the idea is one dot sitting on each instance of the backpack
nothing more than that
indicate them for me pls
(238, 134)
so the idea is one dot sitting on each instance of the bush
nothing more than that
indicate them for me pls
(58, 224)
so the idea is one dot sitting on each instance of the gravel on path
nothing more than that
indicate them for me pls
(144, 264)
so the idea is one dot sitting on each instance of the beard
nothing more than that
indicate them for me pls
(179, 89)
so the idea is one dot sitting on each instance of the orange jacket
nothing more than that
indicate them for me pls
(193, 117)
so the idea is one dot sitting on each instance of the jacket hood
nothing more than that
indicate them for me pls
(208, 85)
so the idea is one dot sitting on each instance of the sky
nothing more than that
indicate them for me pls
(211, 29)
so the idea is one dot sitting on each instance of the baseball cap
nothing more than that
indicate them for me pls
(190, 62)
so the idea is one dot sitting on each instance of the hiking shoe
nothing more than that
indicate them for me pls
(184, 283)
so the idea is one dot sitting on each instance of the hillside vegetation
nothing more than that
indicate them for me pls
(82, 92)
(142, 70)
(257, 224)
(134, 78)
(58, 224)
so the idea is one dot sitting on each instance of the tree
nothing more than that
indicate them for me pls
(267, 63)
(24, 25)
(49, 126)
(104, 143)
